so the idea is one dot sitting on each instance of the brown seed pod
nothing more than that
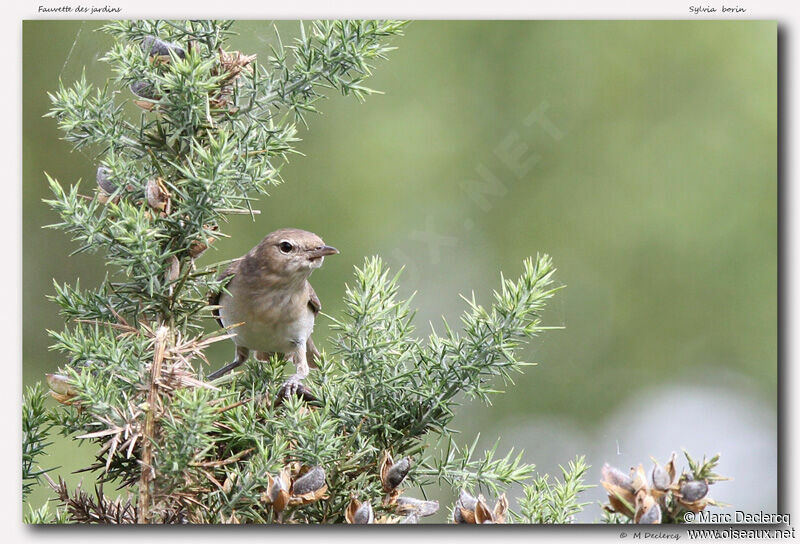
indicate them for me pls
(640, 482)
(359, 513)
(277, 493)
(234, 62)
(615, 476)
(482, 512)
(174, 269)
(60, 388)
(652, 515)
(155, 46)
(198, 247)
(144, 89)
(643, 504)
(620, 490)
(500, 509)
(464, 512)
(670, 467)
(104, 179)
(693, 490)
(310, 481)
(660, 477)
(411, 506)
(393, 474)
(157, 195)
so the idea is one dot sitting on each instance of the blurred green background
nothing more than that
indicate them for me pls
(649, 175)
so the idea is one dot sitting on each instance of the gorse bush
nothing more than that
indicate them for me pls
(212, 129)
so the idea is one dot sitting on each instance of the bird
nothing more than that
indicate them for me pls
(269, 304)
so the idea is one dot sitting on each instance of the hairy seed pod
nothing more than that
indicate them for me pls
(616, 477)
(410, 505)
(661, 479)
(103, 179)
(174, 269)
(309, 482)
(198, 247)
(157, 195)
(277, 493)
(653, 515)
(156, 46)
(143, 89)
(398, 472)
(364, 514)
(482, 512)
(410, 519)
(58, 383)
(500, 509)
(694, 490)
(467, 501)
(464, 512)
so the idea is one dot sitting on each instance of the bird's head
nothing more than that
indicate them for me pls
(293, 253)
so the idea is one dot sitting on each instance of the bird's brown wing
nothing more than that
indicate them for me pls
(313, 301)
(213, 298)
(312, 354)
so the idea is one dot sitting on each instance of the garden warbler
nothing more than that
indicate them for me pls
(271, 303)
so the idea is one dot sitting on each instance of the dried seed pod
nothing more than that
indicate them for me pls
(398, 472)
(174, 269)
(228, 484)
(198, 247)
(157, 195)
(156, 46)
(309, 482)
(410, 519)
(652, 515)
(412, 506)
(144, 89)
(693, 490)
(644, 503)
(233, 62)
(640, 482)
(615, 476)
(393, 474)
(60, 388)
(660, 477)
(467, 501)
(277, 493)
(670, 467)
(104, 179)
(620, 490)
(59, 383)
(462, 515)
(359, 513)
(464, 511)
(482, 512)
(364, 514)
(500, 509)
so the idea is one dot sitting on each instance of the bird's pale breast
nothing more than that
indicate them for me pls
(273, 320)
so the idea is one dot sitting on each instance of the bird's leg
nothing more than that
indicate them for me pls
(241, 357)
(292, 385)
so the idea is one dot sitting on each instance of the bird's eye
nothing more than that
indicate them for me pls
(286, 247)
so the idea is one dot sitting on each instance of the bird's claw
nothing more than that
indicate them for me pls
(291, 386)
(294, 387)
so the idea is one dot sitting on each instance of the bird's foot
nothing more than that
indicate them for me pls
(294, 386)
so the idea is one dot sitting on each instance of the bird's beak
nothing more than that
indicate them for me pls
(324, 251)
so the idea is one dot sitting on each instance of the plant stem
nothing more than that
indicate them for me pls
(147, 472)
